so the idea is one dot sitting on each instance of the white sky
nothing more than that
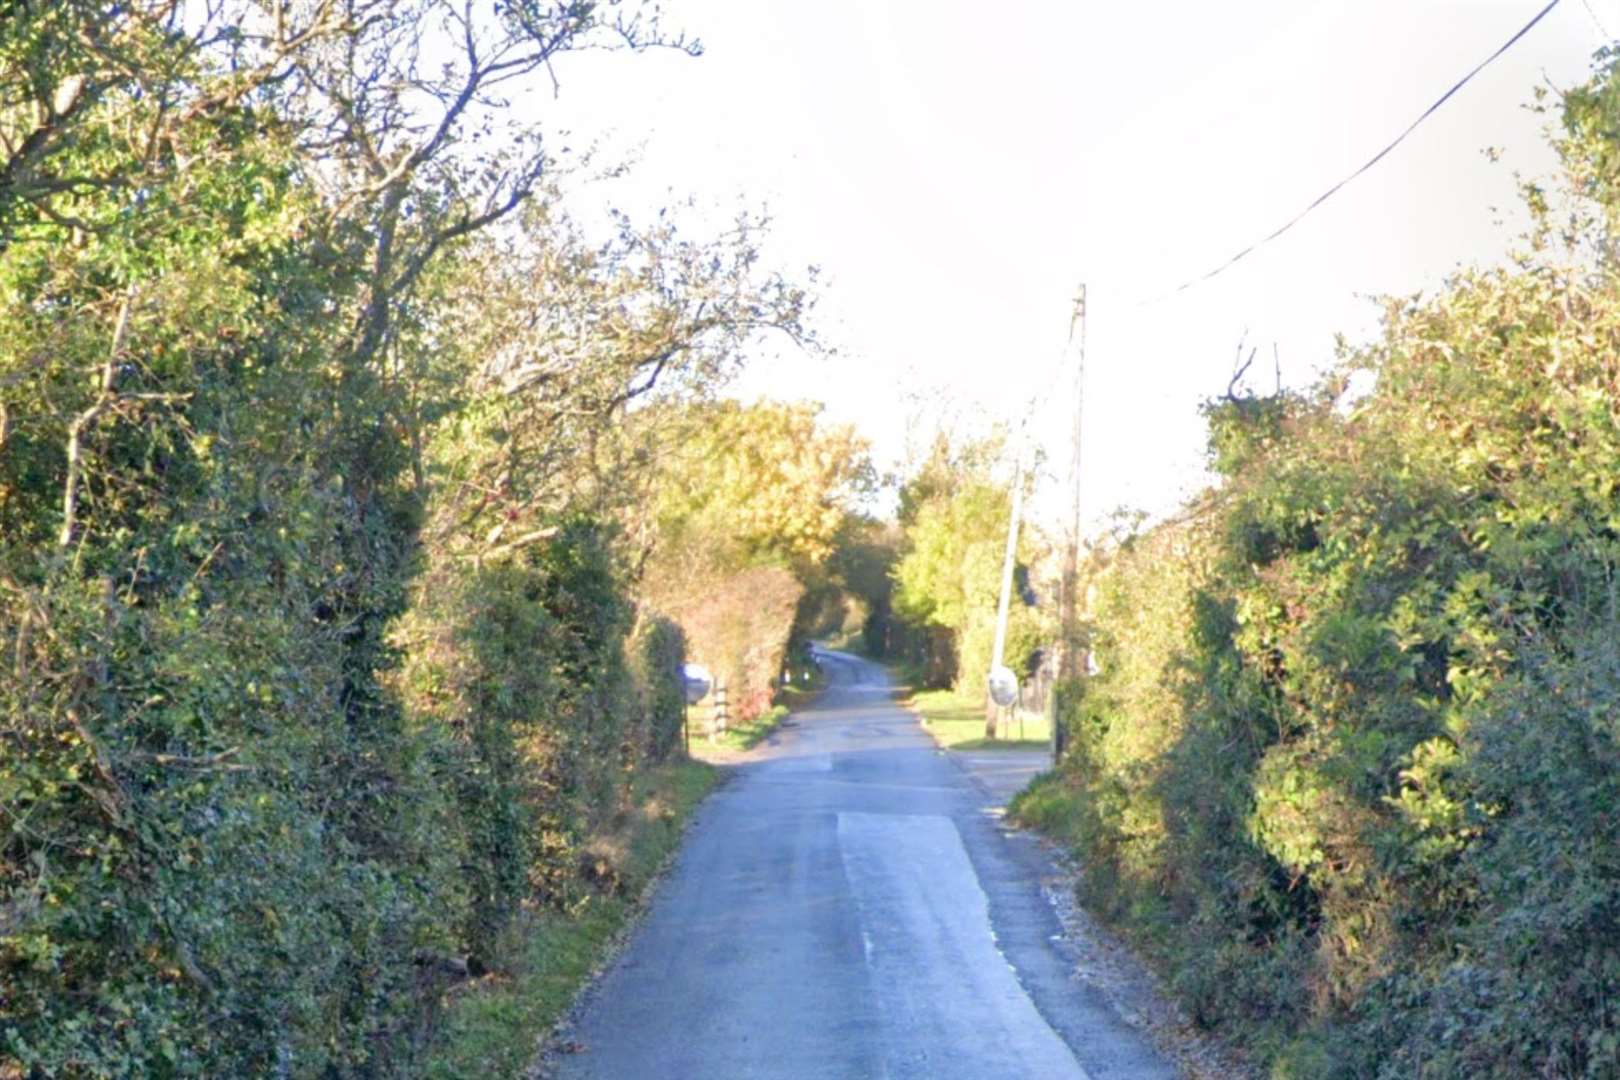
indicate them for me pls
(957, 167)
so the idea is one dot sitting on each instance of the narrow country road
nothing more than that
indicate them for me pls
(847, 907)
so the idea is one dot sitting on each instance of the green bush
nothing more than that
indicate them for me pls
(238, 834)
(659, 651)
(1347, 770)
(521, 666)
(220, 853)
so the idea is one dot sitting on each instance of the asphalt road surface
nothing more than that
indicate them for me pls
(847, 907)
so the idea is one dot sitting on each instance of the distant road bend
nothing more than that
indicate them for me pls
(845, 907)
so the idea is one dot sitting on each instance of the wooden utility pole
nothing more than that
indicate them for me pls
(1069, 651)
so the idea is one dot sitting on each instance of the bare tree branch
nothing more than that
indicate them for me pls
(82, 423)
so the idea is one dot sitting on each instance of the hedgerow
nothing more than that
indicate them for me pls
(319, 657)
(1348, 766)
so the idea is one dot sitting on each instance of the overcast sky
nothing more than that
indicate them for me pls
(957, 168)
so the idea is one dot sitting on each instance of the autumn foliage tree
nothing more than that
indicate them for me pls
(748, 509)
(954, 513)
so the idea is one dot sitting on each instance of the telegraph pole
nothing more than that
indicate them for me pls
(1069, 664)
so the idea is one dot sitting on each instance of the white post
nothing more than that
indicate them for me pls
(1007, 566)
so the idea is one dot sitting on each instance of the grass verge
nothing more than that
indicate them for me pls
(956, 722)
(492, 1027)
(742, 736)
(1049, 806)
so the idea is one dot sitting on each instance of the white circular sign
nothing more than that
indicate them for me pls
(698, 682)
(1003, 686)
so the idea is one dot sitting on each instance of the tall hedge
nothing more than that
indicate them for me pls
(1349, 762)
(234, 841)
(658, 653)
(738, 623)
(520, 669)
(220, 851)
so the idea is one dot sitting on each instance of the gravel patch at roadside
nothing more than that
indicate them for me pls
(1131, 988)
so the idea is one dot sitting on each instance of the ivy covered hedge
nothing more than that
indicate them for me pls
(1350, 768)
(230, 856)
(521, 673)
(276, 764)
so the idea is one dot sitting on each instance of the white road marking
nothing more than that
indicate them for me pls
(950, 1001)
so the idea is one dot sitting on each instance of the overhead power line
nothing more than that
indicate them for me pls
(1597, 22)
(1374, 160)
